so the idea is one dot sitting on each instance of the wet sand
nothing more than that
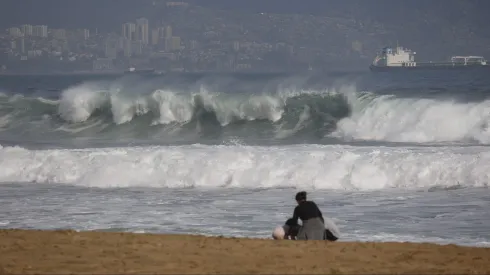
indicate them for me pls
(70, 252)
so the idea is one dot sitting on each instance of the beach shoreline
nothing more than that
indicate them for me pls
(67, 251)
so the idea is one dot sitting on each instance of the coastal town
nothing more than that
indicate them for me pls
(186, 37)
(206, 40)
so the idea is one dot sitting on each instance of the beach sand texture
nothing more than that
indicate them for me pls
(65, 252)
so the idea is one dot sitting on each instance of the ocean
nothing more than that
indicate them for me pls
(388, 156)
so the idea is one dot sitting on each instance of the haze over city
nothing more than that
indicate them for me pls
(213, 35)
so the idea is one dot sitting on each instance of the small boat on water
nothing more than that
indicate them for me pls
(133, 70)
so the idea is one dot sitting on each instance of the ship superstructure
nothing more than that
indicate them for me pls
(398, 57)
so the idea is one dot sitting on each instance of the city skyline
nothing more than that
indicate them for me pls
(135, 39)
(180, 36)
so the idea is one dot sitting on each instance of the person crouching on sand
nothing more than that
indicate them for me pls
(313, 224)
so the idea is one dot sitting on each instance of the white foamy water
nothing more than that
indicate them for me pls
(388, 118)
(443, 216)
(300, 166)
(421, 194)
(385, 193)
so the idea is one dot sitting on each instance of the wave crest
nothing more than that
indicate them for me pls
(280, 109)
(388, 118)
(78, 104)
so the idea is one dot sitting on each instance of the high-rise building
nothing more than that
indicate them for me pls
(128, 31)
(175, 43)
(193, 44)
(16, 32)
(168, 32)
(127, 47)
(142, 30)
(168, 44)
(86, 34)
(26, 30)
(172, 43)
(59, 34)
(22, 45)
(40, 30)
(236, 46)
(137, 47)
(111, 48)
(155, 36)
(79, 34)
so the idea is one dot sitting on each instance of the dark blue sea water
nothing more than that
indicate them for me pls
(390, 156)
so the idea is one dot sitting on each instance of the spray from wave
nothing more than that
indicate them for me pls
(388, 118)
(197, 112)
(222, 110)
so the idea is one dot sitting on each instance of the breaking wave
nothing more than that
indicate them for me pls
(388, 118)
(197, 113)
(204, 166)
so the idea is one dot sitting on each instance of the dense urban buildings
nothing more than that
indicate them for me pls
(179, 36)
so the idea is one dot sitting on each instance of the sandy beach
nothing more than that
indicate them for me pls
(70, 252)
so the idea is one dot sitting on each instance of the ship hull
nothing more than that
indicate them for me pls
(142, 71)
(429, 66)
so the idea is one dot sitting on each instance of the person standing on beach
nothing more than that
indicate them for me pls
(313, 227)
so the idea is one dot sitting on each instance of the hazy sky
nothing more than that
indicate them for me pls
(110, 13)
(77, 13)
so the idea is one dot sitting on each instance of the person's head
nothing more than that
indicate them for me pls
(301, 197)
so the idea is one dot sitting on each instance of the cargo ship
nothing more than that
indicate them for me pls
(389, 59)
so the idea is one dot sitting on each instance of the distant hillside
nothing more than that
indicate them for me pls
(436, 29)
(350, 30)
